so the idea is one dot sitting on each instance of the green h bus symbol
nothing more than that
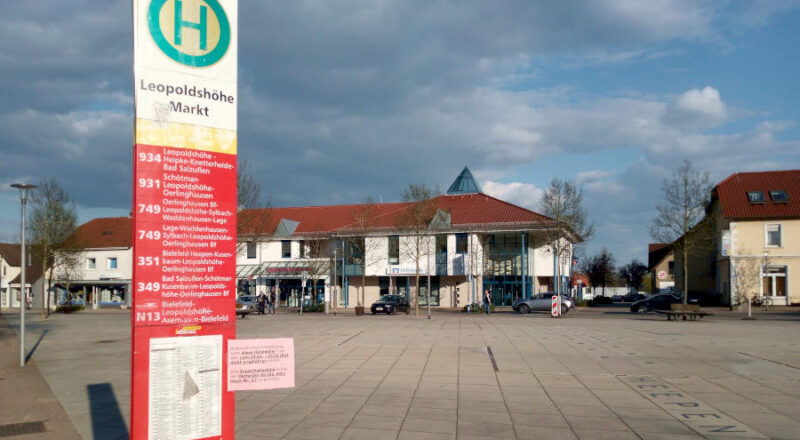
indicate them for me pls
(202, 27)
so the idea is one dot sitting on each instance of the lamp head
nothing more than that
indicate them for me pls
(23, 189)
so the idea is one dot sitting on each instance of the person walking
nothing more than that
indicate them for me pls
(262, 303)
(487, 300)
(271, 302)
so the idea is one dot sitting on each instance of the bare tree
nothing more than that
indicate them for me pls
(563, 203)
(633, 273)
(253, 213)
(363, 251)
(599, 269)
(747, 278)
(318, 261)
(681, 216)
(414, 222)
(52, 222)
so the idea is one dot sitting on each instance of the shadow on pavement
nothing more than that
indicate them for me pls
(107, 420)
(35, 346)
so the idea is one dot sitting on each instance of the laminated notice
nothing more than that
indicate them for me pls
(260, 364)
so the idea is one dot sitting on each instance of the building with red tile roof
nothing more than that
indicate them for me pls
(755, 250)
(11, 275)
(471, 241)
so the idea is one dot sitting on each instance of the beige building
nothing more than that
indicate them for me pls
(660, 265)
(754, 246)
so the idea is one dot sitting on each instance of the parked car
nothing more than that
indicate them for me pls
(246, 302)
(542, 303)
(616, 298)
(390, 304)
(632, 297)
(656, 302)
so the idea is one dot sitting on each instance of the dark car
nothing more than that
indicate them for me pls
(656, 302)
(542, 303)
(632, 297)
(390, 304)
(616, 298)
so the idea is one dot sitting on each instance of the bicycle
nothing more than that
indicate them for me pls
(759, 301)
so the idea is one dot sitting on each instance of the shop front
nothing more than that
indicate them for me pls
(289, 280)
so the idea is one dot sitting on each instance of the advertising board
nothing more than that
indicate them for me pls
(184, 218)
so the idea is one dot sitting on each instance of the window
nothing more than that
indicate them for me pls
(394, 249)
(112, 263)
(671, 268)
(773, 281)
(756, 197)
(383, 285)
(286, 249)
(773, 235)
(251, 250)
(778, 196)
(302, 248)
(91, 263)
(441, 244)
(461, 243)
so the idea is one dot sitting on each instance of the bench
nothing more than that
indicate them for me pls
(684, 312)
(242, 313)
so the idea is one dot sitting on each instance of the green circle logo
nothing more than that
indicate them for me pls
(195, 33)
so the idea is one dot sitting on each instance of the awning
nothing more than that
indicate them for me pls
(272, 269)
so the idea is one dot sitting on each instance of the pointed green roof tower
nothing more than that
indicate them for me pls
(465, 183)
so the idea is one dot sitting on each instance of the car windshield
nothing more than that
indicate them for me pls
(388, 298)
(246, 299)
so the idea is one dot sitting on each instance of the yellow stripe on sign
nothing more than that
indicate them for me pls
(192, 137)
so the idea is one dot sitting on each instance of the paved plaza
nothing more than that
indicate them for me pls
(594, 374)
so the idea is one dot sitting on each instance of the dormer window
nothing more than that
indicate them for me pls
(756, 197)
(778, 196)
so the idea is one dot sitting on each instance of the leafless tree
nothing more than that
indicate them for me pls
(52, 222)
(681, 216)
(747, 278)
(254, 214)
(363, 251)
(414, 221)
(563, 203)
(317, 247)
(633, 273)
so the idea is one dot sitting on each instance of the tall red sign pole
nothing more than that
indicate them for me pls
(184, 218)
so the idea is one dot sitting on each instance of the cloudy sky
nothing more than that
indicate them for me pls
(341, 99)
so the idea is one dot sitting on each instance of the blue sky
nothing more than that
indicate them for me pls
(352, 98)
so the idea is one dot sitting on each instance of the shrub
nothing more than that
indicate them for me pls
(68, 308)
(478, 308)
(313, 308)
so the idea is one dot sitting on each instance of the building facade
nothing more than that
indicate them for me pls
(11, 277)
(468, 242)
(755, 240)
(661, 267)
(102, 275)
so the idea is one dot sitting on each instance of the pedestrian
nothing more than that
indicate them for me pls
(262, 302)
(487, 300)
(271, 301)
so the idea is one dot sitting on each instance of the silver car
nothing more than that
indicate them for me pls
(542, 302)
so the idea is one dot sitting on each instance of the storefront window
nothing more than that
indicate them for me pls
(423, 291)
(383, 283)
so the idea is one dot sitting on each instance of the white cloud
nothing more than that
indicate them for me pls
(522, 194)
(697, 109)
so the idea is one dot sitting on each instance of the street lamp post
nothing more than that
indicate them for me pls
(24, 188)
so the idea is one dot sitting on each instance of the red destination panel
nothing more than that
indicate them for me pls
(184, 237)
